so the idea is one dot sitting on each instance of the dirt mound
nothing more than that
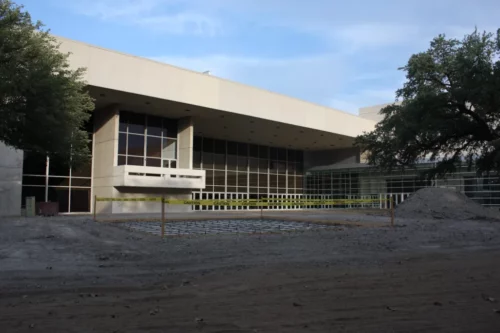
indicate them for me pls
(442, 203)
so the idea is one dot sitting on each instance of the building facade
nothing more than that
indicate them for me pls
(162, 130)
(363, 182)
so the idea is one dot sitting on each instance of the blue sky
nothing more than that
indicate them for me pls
(341, 54)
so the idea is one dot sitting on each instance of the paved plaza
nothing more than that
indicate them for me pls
(236, 226)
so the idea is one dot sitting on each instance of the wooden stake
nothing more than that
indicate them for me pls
(392, 212)
(95, 211)
(162, 216)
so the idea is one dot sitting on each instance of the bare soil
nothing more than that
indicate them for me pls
(73, 275)
(443, 203)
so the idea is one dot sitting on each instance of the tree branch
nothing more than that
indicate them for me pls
(449, 79)
(441, 83)
(487, 134)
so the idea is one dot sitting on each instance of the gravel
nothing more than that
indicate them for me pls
(236, 226)
(77, 249)
(442, 203)
(70, 274)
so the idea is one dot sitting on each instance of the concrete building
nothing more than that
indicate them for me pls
(372, 112)
(361, 181)
(162, 130)
(159, 129)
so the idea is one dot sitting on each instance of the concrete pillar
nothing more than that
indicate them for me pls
(11, 175)
(185, 141)
(105, 155)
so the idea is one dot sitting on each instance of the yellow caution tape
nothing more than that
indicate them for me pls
(130, 199)
(249, 202)
(324, 200)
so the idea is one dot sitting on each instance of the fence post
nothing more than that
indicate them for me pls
(162, 216)
(392, 212)
(95, 210)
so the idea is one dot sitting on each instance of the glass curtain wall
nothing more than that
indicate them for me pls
(236, 170)
(54, 180)
(145, 140)
(366, 182)
(48, 179)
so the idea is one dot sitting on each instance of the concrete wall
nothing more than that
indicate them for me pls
(11, 175)
(330, 157)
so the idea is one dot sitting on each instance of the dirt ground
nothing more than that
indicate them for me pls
(73, 275)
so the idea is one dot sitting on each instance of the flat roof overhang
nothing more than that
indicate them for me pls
(224, 125)
(220, 108)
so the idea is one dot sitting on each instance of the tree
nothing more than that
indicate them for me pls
(449, 110)
(43, 103)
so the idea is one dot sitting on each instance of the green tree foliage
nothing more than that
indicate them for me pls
(449, 110)
(43, 103)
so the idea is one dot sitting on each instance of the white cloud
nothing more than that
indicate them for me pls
(368, 35)
(375, 76)
(185, 23)
(161, 16)
(114, 9)
(351, 102)
(362, 42)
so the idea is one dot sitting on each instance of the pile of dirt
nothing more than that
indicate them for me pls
(442, 203)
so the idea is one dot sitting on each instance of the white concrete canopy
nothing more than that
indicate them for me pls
(220, 108)
(223, 125)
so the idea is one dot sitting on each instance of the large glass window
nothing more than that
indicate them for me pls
(169, 149)
(53, 180)
(147, 141)
(247, 168)
(154, 147)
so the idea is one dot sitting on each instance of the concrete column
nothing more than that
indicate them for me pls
(105, 155)
(185, 141)
(11, 175)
